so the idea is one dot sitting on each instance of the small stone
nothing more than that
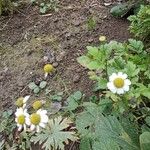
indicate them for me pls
(78, 70)
(90, 40)
(55, 64)
(1, 78)
(76, 78)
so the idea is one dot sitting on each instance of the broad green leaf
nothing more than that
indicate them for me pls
(94, 65)
(83, 60)
(36, 90)
(92, 51)
(43, 84)
(145, 141)
(32, 85)
(77, 95)
(147, 119)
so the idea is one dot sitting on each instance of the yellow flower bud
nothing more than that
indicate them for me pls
(19, 102)
(48, 68)
(37, 104)
(102, 38)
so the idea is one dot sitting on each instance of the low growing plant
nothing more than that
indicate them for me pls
(120, 117)
(140, 23)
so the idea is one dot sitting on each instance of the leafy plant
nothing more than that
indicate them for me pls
(35, 88)
(91, 23)
(55, 136)
(5, 6)
(140, 23)
(46, 5)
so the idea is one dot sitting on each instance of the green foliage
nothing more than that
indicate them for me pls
(140, 23)
(105, 132)
(74, 100)
(54, 137)
(145, 141)
(129, 58)
(6, 6)
(35, 88)
(46, 5)
(91, 23)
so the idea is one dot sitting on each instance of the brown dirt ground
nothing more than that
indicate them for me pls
(27, 36)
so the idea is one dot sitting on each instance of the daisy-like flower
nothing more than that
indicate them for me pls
(48, 68)
(37, 120)
(118, 83)
(21, 118)
(21, 101)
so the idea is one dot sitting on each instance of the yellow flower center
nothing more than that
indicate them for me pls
(48, 68)
(19, 102)
(102, 38)
(37, 105)
(119, 82)
(21, 119)
(35, 119)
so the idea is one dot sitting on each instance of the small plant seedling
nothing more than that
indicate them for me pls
(91, 23)
(35, 88)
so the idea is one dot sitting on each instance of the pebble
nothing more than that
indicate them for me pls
(55, 64)
(76, 78)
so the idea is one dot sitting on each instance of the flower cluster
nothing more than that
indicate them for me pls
(34, 121)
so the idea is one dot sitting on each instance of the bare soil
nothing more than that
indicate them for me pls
(27, 36)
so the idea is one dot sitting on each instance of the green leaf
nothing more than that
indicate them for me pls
(147, 119)
(83, 60)
(94, 65)
(120, 10)
(55, 136)
(135, 46)
(36, 90)
(85, 144)
(145, 141)
(77, 95)
(32, 85)
(92, 51)
(43, 84)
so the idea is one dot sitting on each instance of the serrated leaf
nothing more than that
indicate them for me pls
(32, 85)
(85, 144)
(92, 51)
(55, 136)
(83, 60)
(43, 84)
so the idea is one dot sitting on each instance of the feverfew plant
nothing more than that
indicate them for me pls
(121, 71)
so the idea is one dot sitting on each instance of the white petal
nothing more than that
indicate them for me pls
(37, 129)
(20, 128)
(43, 112)
(28, 121)
(46, 74)
(24, 105)
(26, 98)
(25, 128)
(112, 77)
(19, 111)
(120, 91)
(113, 90)
(126, 88)
(42, 125)
(120, 73)
(127, 82)
(16, 120)
(124, 76)
(44, 119)
(110, 85)
(32, 127)
(39, 111)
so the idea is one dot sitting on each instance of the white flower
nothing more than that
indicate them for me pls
(21, 102)
(118, 83)
(37, 120)
(21, 118)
